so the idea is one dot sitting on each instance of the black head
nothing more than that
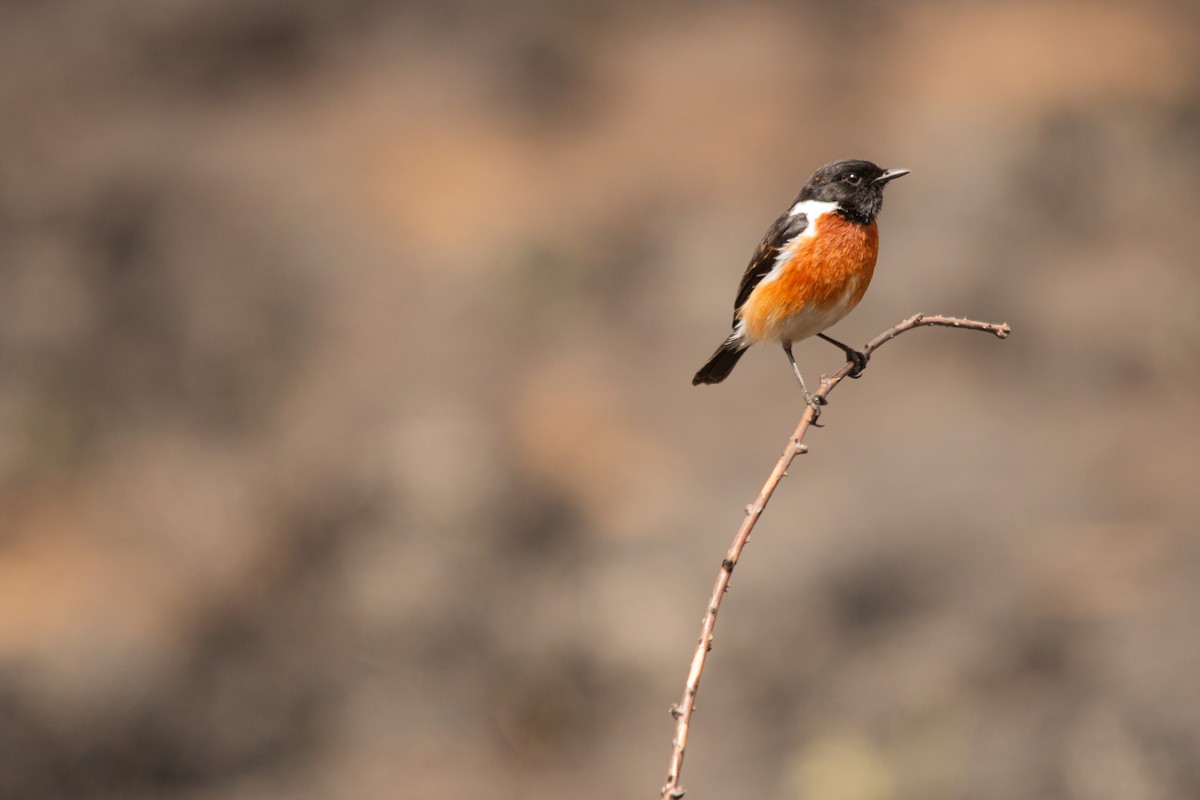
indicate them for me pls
(856, 186)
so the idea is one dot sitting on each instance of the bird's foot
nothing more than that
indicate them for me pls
(859, 359)
(856, 357)
(815, 402)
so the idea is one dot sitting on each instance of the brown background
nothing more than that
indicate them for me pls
(347, 446)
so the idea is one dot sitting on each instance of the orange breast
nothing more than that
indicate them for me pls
(824, 277)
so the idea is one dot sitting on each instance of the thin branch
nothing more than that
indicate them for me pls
(682, 711)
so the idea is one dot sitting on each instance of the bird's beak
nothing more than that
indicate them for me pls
(891, 174)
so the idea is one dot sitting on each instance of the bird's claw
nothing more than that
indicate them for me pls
(815, 402)
(859, 359)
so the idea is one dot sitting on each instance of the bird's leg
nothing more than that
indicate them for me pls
(857, 357)
(813, 400)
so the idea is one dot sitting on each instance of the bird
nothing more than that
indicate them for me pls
(810, 270)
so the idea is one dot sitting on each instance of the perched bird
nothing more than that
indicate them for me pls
(811, 269)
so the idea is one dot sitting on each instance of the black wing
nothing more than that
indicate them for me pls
(786, 228)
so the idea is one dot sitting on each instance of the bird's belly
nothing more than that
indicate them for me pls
(821, 279)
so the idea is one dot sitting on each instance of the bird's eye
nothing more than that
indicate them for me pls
(854, 179)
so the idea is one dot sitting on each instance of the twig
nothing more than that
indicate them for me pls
(682, 711)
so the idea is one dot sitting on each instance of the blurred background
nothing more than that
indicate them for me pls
(347, 440)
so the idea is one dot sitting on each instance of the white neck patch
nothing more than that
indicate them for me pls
(812, 209)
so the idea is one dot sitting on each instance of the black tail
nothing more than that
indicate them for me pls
(721, 364)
